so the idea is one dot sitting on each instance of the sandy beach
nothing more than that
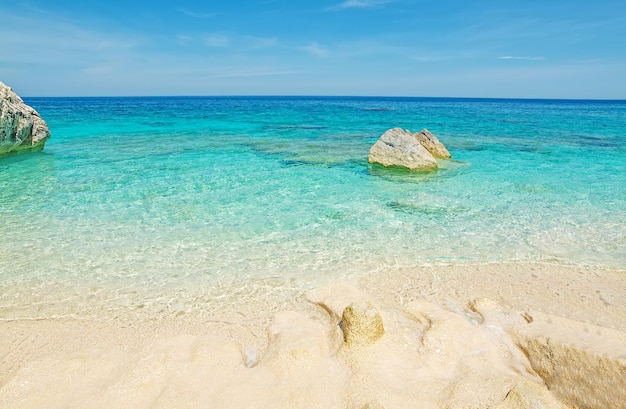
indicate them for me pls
(347, 204)
(479, 335)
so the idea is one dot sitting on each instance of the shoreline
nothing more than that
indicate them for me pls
(286, 350)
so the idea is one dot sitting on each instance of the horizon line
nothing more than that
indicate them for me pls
(329, 96)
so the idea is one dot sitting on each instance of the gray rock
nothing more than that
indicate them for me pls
(432, 144)
(398, 148)
(361, 323)
(21, 127)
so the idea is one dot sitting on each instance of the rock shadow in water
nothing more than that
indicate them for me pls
(425, 209)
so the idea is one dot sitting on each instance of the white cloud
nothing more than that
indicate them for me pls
(262, 42)
(254, 73)
(316, 50)
(358, 4)
(587, 61)
(431, 58)
(510, 57)
(195, 14)
(183, 39)
(96, 70)
(217, 41)
(62, 42)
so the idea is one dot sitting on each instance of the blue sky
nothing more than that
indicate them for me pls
(450, 48)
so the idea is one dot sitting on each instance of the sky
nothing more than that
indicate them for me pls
(444, 48)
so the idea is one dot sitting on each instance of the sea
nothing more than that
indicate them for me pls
(163, 202)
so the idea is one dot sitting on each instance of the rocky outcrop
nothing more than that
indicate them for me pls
(432, 144)
(572, 362)
(399, 148)
(21, 127)
(582, 364)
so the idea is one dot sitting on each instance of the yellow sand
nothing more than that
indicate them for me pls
(456, 336)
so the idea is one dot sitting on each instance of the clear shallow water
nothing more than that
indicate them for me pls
(137, 196)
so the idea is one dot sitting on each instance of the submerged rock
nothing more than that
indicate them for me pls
(21, 127)
(398, 147)
(432, 144)
(361, 323)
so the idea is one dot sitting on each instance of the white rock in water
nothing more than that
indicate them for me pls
(21, 127)
(432, 144)
(397, 147)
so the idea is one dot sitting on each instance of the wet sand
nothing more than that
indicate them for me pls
(456, 336)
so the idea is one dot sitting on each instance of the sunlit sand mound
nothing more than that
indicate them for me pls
(342, 346)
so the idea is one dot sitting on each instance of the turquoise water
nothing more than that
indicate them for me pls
(143, 195)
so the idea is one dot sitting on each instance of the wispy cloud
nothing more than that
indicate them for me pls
(358, 4)
(586, 61)
(261, 42)
(183, 39)
(316, 50)
(431, 58)
(195, 13)
(217, 40)
(254, 73)
(96, 70)
(61, 39)
(510, 57)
